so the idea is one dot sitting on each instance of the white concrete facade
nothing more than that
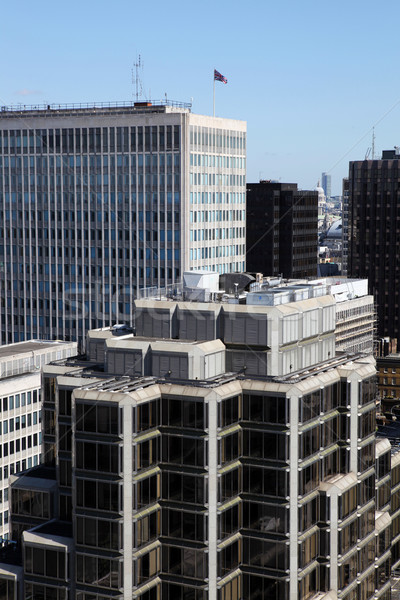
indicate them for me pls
(112, 201)
(20, 410)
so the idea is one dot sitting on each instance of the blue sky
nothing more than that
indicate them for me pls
(310, 78)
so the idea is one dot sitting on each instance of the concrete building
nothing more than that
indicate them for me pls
(355, 314)
(164, 485)
(282, 229)
(354, 319)
(99, 201)
(20, 410)
(373, 235)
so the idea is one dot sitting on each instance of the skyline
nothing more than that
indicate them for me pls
(310, 82)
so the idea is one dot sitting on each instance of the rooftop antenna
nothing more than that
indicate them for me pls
(136, 79)
(373, 144)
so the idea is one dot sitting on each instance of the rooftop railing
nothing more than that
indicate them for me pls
(96, 105)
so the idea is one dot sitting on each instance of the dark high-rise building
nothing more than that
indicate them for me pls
(345, 224)
(374, 234)
(282, 229)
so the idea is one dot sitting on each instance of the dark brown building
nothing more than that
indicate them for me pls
(281, 229)
(374, 234)
(388, 368)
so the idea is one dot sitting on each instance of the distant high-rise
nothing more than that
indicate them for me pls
(326, 184)
(100, 201)
(374, 234)
(282, 229)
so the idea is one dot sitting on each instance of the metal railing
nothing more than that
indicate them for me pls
(95, 105)
(173, 291)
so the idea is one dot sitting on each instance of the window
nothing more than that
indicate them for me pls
(100, 495)
(97, 418)
(90, 570)
(96, 457)
(266, 409)
(40, 561)
(187, 413)
(98, 533)
(184, 561)
(178, 449)
(184, 487)
(184, 524)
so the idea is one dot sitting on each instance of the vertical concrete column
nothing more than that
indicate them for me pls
(354, 381)
(127, 495)
(212, 406)
(293, 396)
(333, 501)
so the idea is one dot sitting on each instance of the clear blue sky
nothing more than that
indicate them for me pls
(310, 77)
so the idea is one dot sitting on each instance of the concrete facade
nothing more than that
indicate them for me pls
(21, 410)
(234, 486)
(101, 202)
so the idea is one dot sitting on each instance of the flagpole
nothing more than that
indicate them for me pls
(214, 94)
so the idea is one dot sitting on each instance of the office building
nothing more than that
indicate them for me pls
(20, 410)
(97, 202)
(326, 184)
(374, 235)
(282, 229)
(174, 468)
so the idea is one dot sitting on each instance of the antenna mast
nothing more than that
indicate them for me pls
(373, 144)
(136, 79)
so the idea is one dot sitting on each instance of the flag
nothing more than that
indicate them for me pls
(219, 77)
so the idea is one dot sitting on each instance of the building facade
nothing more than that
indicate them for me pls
(388, 372)
(21, 409)
(373, 233)
(98, 202)
(355, 314)
(169, 474)
(282, 229)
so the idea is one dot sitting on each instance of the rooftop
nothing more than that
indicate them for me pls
(10, 554)
(96, 108)
(393, 357)
(28, 347)
(124, 383)
(209, 287)
(58, 528)
(391, 431)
